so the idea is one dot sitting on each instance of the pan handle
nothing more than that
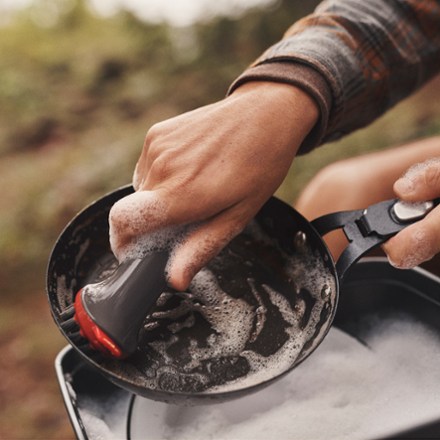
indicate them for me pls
(368, 228)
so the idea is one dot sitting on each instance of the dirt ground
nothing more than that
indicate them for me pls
(31, 405)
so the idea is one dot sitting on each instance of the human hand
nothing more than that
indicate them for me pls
(213, 167)
(421, 241)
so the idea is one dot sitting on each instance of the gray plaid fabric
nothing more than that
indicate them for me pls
(356, 57)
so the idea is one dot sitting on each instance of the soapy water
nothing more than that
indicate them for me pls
(104, 419)
(246, 318)
(130, 235)
(346, 390)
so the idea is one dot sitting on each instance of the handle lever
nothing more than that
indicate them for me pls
(368, 228)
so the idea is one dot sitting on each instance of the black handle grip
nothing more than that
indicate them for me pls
(368, 228)
(119, 304)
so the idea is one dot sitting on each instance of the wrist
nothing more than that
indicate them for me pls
(295, 107)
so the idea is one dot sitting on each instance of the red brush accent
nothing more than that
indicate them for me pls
(89, 330)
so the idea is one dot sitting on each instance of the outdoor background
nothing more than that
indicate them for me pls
(78, 91)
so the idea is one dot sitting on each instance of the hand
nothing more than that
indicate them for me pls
(213, 167)
(421, 241)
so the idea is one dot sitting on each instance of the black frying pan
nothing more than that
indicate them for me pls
(258, 309)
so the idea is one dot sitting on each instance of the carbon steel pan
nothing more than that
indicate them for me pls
(255, 312)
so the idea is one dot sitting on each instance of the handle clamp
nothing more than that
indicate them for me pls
(368, 228)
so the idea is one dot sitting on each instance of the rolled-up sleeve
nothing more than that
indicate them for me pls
(356, 58)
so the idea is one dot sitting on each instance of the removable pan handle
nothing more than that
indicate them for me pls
(368, 228)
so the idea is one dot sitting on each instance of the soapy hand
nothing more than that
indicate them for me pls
(421, 241)
(214, 168)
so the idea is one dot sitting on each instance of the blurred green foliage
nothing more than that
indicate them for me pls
(79, 91)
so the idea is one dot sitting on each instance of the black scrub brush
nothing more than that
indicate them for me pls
(108, 315)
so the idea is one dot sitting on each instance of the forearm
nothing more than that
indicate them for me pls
(356, 59)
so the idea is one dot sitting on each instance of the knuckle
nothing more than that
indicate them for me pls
(153, 134)
(161, 167)
(137, 176)
(148, 139)
(153, 131)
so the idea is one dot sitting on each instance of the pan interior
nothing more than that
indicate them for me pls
(259, 308)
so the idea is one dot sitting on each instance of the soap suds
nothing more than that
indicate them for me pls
(420, 175)
(104, 419)
(135, 226)
(416, 170)
(422, 248)
(345, 390)
(247, 317)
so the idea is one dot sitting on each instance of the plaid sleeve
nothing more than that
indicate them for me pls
(357, 58)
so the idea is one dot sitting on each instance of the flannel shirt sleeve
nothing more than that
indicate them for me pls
(356, 58)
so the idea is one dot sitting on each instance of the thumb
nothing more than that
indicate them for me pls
(416, 243)
(421, 182)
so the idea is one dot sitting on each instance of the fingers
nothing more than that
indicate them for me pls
(128, 223)
(421, 182)
(421, 241)
(200, 246)
(150, 212)
(144, 213)
(415, 244)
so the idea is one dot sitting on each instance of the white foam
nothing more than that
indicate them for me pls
(135, 227)
(237, 323)
(230, 318)
(104, 420)
(343, 391)
(97, 427)
(165, 239)
(264, 368)
(418, 169)
(423, 248)
(63, 291)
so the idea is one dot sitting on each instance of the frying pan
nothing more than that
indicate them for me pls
(254, 313)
